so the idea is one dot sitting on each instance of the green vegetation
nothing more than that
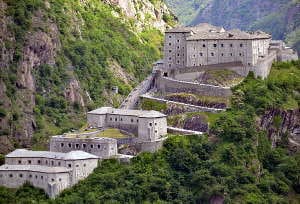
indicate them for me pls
(178, 120)
(90, 37)
(149, 104)
(111, 132)
(222, 77)
(240, 165)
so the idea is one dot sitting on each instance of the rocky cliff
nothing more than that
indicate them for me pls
(283, 127)
(58, 59)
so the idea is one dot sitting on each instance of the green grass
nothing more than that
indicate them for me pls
(149, 104)
(223, 77)
(112, 133)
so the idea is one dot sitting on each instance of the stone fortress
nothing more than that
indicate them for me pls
(73, 156)
(50, 171)
(188, 52)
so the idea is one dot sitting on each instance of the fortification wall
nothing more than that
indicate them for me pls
(51, 183)
(263, 67)
(149, 146)
(101, 147)
(169, 85)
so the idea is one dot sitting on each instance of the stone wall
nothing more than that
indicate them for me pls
(263, 67)
(169, 85)
(51, 183)
(102, 147)
(149, 146)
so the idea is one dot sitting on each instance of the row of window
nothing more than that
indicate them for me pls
(222, 54)
(121, 119)
(77, 145)
(214, 45)
(30, 176)
(39, 162)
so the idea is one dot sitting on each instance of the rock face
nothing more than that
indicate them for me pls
(283, 127)
(144, 12)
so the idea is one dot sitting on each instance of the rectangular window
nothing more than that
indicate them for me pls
(215, 45)
(222, 45)
(201, 54)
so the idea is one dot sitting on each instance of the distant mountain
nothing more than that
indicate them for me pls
(281, 18)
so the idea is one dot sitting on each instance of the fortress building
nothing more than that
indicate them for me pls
(206, 44)
(148, 126)
(51, 171)
(104, 148)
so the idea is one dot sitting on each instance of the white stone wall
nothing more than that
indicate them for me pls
(208, 52)
(35, 161)
(15, 179)
(98, 121)
(102, 148)
(81, 169)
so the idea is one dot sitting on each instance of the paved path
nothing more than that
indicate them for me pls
(184, 131)
(132, 99)
(201, 108)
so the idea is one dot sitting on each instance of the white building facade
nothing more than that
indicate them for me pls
(51, 171)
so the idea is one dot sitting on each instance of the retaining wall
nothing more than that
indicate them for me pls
(169, 85)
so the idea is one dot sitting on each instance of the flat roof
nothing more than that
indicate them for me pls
(195, 29)
(35, 168)
(73, 155)
(137, 113)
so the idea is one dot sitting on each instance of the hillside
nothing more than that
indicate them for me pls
(280, 18)
(61, 58)
(235, 163)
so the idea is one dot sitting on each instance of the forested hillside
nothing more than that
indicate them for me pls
(235, 162)
(60, 58)
(281, 18)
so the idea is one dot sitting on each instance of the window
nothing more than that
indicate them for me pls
(42, 177)
(215, 45)
(77, 165)
(203, 45)
(155, 131)
(77, 146)
(169, 65)
(222, 54)
(116, 119)
(170, 51)
(36, 176)
(58, 163)
(170, 44)
(20, 175)
(69, 165)
(19, 161)
(92, 146)
(59, 179)
(150, 124)
(29, 161)
(201, 54)
(178, 55)
(178, 40)
(110, 119)
(84, 145)
(137, 120)
(1, 176)
(249, 64)
(46, 161)
(39, 161)
(170, 36)
(170, 58)
(241, 45)
(231, 45)
(62, 144)
(178, 61)
(240, 54)
(132, 120)
(70, 145)
(230, 54)
(222, 45)
(212, 54)
(10, 175)
(177, 47)
(98, 146)
(84, 165)
(52, 163)
(52, 180)
(155, 123)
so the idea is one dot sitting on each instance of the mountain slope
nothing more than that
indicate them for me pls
(60, 58)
